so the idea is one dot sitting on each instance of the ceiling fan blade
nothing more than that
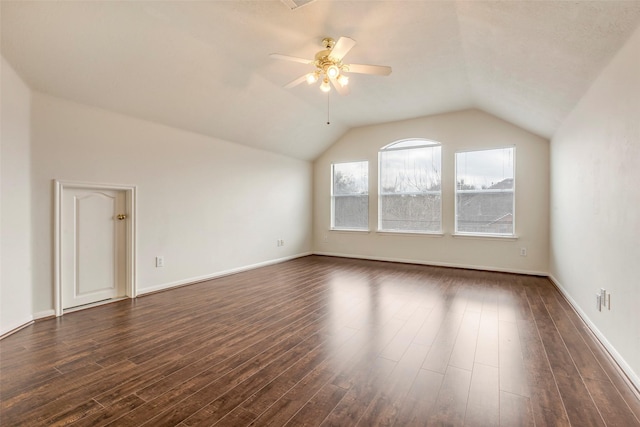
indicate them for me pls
(342, 47)
(342, 90)
(296, 82)
(378, 70)
(291, 58)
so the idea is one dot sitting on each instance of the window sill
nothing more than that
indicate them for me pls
(409, 233)
(484, 236)
(349, 230)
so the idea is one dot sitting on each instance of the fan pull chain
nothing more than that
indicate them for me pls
(328, 121)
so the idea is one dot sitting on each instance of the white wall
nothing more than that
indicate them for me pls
(595, 204)
(456, 131)
(208, 206)
(15, 211)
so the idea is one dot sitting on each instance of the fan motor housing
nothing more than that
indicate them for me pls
(322, 59)
(328, 43)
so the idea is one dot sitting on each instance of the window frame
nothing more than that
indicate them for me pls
(332, 196)
(399, 145)
(458, 233)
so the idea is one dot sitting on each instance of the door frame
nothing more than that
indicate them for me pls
(130, 233)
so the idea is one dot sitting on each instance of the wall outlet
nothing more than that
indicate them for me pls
(280, 242)
(523, 251)
(159, 261)
(325, 238)
(605, 299)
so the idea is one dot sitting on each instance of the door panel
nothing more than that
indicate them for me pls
(93, 246)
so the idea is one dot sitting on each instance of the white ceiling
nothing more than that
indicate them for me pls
(203, 66)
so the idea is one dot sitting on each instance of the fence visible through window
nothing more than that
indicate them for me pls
(350, 196)
(485, 188)
(410, 196)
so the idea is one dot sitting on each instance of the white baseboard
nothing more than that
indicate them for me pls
(216, 275)
(621, 363)
(14, 327)
(619, 360)
(436, 264)
(44, 314)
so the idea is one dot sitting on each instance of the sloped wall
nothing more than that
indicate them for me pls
(208, 206)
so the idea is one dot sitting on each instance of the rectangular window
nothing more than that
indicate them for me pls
(409, 190)
(485, 192)
(350, 196)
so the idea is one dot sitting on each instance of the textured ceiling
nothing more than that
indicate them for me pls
(204, 66)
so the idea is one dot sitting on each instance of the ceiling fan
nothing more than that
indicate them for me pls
(329, 68)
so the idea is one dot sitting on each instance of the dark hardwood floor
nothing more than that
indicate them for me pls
(320, 341)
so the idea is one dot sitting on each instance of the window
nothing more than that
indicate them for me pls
(409, 189)
(485, 191)
(350, 196)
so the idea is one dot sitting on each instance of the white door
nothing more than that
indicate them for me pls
(93, 243)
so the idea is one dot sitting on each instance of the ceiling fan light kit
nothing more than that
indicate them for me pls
(329, 68)
(313, 77)
(325, 86)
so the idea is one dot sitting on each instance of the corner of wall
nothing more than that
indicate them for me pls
(15, 206)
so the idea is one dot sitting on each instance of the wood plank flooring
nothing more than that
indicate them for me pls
(320, 341)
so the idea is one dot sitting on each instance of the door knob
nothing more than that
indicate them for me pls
(121, 217)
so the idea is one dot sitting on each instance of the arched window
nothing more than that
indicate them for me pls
(409, 190)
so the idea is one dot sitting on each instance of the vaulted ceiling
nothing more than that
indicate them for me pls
(204, 66)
